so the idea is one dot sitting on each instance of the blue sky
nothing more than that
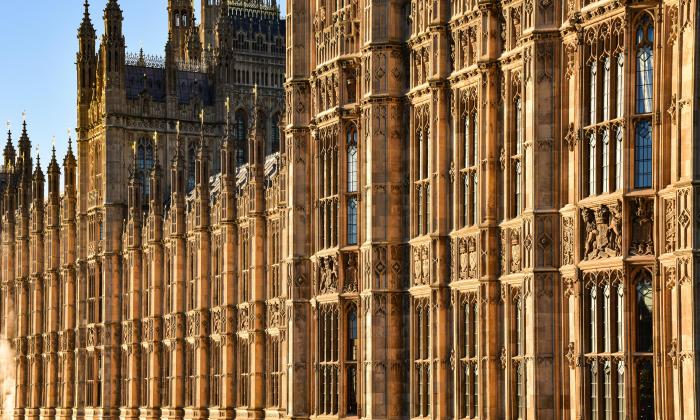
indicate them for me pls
(38, 40)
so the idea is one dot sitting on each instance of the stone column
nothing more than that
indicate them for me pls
(175, 320)
(132, 327)
(198, 318)
(229, 281)
(24, 347)
(154, 323)
(541, 220)
(383, 253)
(68, 269)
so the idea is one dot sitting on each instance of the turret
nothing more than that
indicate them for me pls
(177, 172)
(54, 173)
(156, 184)
(135, 207)
(9, 153)
(210, 15)
(180, 20)
(194, 44)
(113, 48)
(86, 61)
(69, 170)
(38, 187)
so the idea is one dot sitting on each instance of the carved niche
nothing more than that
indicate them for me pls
(567, 241)
(515, 260)
(603, 231)
(642, 242)
(350, 272)
(670, 225)
(328, 274)
(421, 265)
(468, 258)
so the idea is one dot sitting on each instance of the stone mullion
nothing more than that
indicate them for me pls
(52, 267)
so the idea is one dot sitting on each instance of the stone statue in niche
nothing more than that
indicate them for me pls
(350, 272)
(329, 275)
(642, 242)
(603, 235)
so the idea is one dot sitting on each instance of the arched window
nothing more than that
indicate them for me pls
(144, 163)
(592, 176)
(606, 88)
(606, 161)
(177, 19)
(274, 143)
(645, 389)
(644, 313)
(518, 125)
(518, 158)
(618, 158)
(518, 181)
(191, 158)
(642, 154)
(593, 104)
(352, 169)
(620, 96)
(351, 357)
(240, 137)
(351, 172)
(644, 40)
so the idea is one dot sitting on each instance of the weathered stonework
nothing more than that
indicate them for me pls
(453, 209)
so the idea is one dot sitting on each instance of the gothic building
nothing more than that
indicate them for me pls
(458, 209)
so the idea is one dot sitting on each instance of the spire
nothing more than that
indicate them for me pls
(86, 29)
(69, 160)
(53, 165)
(9, 153)
(113, 18)
(38, 173)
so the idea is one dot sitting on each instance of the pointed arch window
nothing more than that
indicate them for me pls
(240, 134)
(469, 168)
(191, 165)
(274, 142)
(592, 164)
(605, 169)
(593, 104)
(642, 154)
(644, 39)
(351, 362)
(618, 157)
(351, 141)
(468, 354)
(518, 158)
(644, 313)
(144, 163)
(620, 82)
(327, 374)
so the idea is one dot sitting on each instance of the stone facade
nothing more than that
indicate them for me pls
(454, 209)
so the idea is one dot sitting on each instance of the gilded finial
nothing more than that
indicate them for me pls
(9, 125)
(201, 116)
(53, 141)
(177, 128)
(155, 139)
(228, 106)
(24, 116)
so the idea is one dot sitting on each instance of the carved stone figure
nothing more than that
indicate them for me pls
(642, 242)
